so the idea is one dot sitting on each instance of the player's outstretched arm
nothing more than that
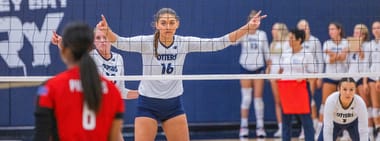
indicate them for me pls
(103, 26)
(252, 25)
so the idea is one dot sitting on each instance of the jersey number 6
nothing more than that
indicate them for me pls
(88, 118)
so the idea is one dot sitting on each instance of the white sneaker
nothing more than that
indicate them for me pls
(277, 134)
(260, 133)
(243, 132)
(302, 135)
(346, 136)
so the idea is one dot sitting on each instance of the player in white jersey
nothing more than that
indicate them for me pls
(358, 62)
(374, 85)
(313, 46)
(345, 111)
(335, 52)
(278, 46)
(163, 54)
(298, 61)
(108, 63)
(254, 53)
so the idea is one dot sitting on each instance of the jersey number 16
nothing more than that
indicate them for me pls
(168, 69)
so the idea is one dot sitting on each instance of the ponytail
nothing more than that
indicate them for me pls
(155, 43)
(90, 81)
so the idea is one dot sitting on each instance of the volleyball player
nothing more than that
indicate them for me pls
(163, 54)
(335, 57)
(278, 46)
(78, 104)
(374, 85)
(254, 52)
(109, 63)
(313, 46)
(358, 62)
(297, 61)
(347, 111)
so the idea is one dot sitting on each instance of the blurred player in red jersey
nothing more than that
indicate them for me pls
(78, 104)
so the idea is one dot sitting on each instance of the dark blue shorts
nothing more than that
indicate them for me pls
(331, 81)
(360, 81)
(352, 129)
(257, 71)
(159, 109)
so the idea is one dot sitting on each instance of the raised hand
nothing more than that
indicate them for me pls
(255, 22)
(56, 40)
(103, 25)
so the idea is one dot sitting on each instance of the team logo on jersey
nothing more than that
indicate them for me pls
(42, 91)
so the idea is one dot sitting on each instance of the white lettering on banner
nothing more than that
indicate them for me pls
(16, 30)
(5, 5)
(9, 48)
(40, 39)
(16, 3)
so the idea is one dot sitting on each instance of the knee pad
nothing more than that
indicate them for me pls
(375, 112)
(312, 102)
(246, 98)
(259, 103)
(321, 109)
(369, 111)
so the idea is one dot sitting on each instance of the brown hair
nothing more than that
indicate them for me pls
(156, 17)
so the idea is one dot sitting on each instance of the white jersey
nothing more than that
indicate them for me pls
(374, 57)
(335, 113)
(276, 53)
(357, 64)
(254, 50)
(169, 61)
(111, 67)
(337, 67)
(298, 63)
(314, 47)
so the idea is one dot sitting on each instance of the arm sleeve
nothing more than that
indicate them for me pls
(132, 44)
(195, 44)
(265, 46)
(319, 55)
(367, 55)
(44, 115)
(310, 63)
(362, 119)
(328, 124)
(326, 57)
(121, 83)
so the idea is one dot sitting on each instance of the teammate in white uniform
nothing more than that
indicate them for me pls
(278, 46)
(254, 53)
(298, 61)
(345, 111)
(374, 85)
(335, 52)
(108, 63)
(163, 54)
(358, 62)
(313, 46)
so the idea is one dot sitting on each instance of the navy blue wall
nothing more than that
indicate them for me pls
(205, 101)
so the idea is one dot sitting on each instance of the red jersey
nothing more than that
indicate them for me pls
(75, 122)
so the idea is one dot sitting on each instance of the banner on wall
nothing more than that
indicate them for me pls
(28, 25)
